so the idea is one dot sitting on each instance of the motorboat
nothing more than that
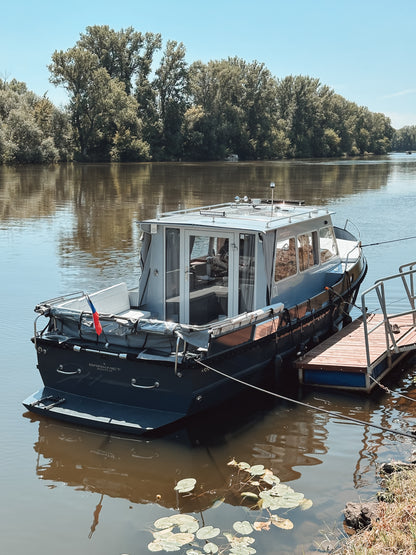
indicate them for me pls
(228, 293)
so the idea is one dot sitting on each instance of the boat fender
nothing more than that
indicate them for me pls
(302, 350)
(346, 320)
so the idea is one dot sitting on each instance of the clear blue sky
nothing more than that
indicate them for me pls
(364, 50)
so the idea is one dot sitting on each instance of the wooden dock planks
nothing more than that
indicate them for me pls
(345, 351)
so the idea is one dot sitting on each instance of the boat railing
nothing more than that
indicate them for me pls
(346, 235)
(356, 228)
(189, 210)
(44, 305)
(279, 210)
(407, 277)
(354, 248)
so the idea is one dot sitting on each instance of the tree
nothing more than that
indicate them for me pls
(119, 52)
(171, 84)
(237, 109)
(98, 104)
(405, 138)
(78, 71)
(145, 93)
(300, 106)
(27, 130)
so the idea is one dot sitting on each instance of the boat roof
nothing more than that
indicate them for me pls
(243, 214)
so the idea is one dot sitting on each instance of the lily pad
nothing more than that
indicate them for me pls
(207, 532)
(186, 485)
(164, 522)
(238, 540)
(218, 502)
(243, 465)
(241, 545)
(281, 496)
(170, 542)
(186, 523)
(243, 527)
(283, 523)
(242, 550)
(249, 495)
(270, 478)
(257, 470)
(259, 526)
(306, 504)
(160, 534)
(211, 548)
(156, 546)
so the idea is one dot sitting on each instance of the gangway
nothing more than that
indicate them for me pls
(364, 351)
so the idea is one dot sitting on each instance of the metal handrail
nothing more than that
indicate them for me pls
(379, 288)
(410, 288)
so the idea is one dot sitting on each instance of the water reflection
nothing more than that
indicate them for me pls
(281, 436)
(105, 198)
(98, 205)
(146, 470)
(286, 438)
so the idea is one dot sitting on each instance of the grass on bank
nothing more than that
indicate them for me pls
(395, 529)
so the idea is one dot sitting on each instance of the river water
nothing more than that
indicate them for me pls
(69, 490)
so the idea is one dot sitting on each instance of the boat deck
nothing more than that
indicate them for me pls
(341, 360)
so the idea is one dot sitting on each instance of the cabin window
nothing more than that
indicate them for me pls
(172, 274)
(208, 278)
(307, 250)
(285, 260)
(327, 243)
(246, 265)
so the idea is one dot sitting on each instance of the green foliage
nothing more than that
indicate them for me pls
(121, 53)
(123, 108)
(171, 86)
(32, 130)
(405, 139)
(104, 117)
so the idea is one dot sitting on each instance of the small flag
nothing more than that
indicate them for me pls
(95, 316)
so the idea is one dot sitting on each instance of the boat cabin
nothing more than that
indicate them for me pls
(207, 264)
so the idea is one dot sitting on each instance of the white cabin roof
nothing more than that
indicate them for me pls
(253, 215)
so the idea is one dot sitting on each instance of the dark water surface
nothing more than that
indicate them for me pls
(69, 490)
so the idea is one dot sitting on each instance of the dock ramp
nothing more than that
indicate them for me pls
(369, 347)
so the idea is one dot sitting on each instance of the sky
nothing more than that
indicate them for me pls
(364, 50)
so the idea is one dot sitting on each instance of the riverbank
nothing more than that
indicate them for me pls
(394, 528)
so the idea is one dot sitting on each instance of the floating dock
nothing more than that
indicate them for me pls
(366, 349)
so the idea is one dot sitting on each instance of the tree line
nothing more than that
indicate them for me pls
(404, 139)
(123, 108)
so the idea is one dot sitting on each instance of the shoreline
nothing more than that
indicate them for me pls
(391, 526)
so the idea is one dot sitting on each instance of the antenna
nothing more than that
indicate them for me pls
(272, 186)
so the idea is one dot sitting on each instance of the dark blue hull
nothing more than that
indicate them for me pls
(137, 391)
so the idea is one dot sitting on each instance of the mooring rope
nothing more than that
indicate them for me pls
(319, 409)
(391, 241)
(385, 388)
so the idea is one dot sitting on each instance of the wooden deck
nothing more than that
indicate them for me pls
(345, 352)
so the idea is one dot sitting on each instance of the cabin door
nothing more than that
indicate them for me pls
(209, 271)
